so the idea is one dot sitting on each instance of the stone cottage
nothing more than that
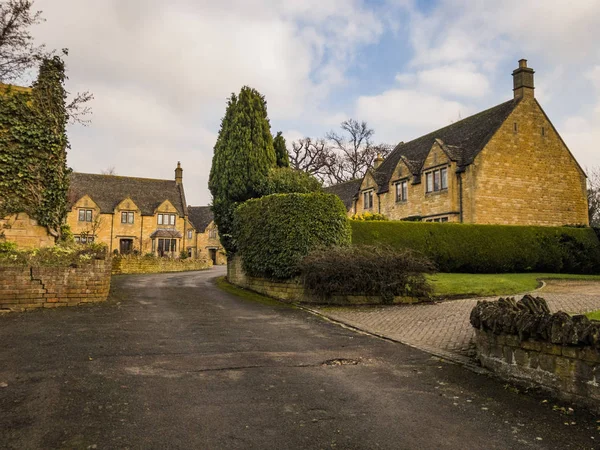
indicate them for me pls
(205, 240)
(130, 214)
(506, 165)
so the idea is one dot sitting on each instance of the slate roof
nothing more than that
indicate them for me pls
(463, 140)
(346, 191)
(200, 216)
(110, 190)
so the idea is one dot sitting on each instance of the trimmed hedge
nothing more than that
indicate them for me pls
(275, 232)
(468, 248)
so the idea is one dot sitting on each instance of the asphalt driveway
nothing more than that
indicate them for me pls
(173, 362)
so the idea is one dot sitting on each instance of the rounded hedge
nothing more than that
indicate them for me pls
(468, 248)
(275, 232)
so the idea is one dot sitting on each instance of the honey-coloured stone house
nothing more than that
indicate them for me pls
(506, 165)
(137, 214)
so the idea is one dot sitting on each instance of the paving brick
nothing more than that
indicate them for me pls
(445, 325)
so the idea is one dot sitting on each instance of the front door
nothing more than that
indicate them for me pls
(213, 255)
(126, 246)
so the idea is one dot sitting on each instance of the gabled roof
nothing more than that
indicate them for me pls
(346, 191)
(109, 190)
(463, 140)
(200, 216)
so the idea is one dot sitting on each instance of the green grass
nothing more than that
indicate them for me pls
(483, 285)
(245, 294)
(594, 315)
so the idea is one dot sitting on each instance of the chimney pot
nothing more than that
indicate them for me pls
(378, 161)
(522, 63)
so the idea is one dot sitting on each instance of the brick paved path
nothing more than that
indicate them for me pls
(443, 328)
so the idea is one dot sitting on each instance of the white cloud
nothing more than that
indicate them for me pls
(161, 72)
(401, 115)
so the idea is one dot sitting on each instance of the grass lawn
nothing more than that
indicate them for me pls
(594, 315)
(483, 285)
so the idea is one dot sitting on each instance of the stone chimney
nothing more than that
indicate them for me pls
(179, 174)
(377, 162)
(523, 81)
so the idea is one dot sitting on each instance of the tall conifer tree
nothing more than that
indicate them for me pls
(281, 152)
(243, 156)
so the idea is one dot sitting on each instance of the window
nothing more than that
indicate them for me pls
(543, 132)
(190, 233)
(127, 217)
(189, 252)
(85, 215)
(166, 219)
(84, 239)
(436, 180)
(212, 233)
(444, 178)
(401, 191)
(166, 246)
(368, 200)
(444, 219)
(515, 127)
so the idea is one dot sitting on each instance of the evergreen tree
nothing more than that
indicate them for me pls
(281, 152)
(243, 156)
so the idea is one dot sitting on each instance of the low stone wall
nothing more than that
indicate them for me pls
(23, 288)
(524, 342)
(129, 265)
(292, 291)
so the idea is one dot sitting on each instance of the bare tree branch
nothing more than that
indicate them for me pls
(17, 51)
(594, 196)
(338, 157)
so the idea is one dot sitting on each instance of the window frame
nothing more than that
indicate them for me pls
(436, 180)
(401, 191)
(368, 199)
(129, 217)
(85, 215)
(190, 234)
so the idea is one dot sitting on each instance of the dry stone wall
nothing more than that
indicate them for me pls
(523, 341)
(131, 265)
(26, 288)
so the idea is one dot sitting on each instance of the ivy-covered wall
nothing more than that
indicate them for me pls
(33, 142)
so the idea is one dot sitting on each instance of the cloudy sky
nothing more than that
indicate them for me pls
(161, 71)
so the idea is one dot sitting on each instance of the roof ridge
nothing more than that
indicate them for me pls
(122, 176)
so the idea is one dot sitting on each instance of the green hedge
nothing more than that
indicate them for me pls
(471, 248)
(275, 232)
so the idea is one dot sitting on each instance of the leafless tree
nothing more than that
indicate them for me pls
(338, 157)
(312, 156)
(594, 195)
(109, 171)
(18, 52)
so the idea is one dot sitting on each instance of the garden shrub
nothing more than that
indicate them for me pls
(367, 216)
(469, 248)
(273, 233)
(285, 180)
(57, 256)
(366, 270)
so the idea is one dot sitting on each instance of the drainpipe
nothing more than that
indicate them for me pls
(378, 204)
(460, 196)
(112, 227)
(141, 233)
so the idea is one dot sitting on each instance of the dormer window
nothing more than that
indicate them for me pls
(85, 215)
(127, 217)
(436, 180)
(402, 191)
(166, 219)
